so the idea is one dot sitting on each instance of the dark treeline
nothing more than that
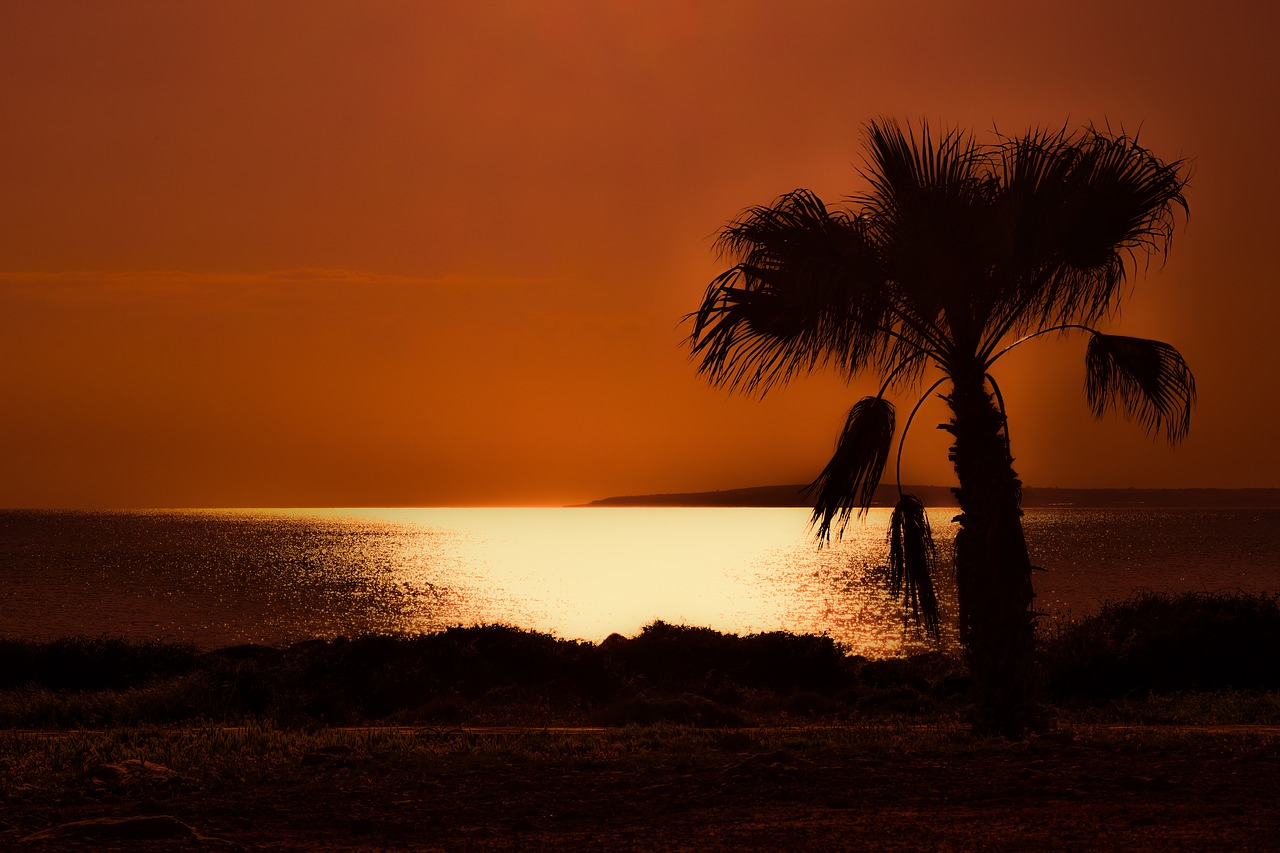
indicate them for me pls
(490, 675)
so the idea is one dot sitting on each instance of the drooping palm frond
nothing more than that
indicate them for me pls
(1146, 381)
(912, 558)
(848, 482)
(806, 290)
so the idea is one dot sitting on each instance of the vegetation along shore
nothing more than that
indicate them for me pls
(1161, 721)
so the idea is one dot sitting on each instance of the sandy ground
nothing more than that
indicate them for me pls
(1090, 788)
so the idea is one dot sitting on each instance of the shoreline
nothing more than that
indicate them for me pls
(1162, 729)
(793, 495)
(1164, 650)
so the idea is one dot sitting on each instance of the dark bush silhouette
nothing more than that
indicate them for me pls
(677, 658)
(1166, 643)
(85, 663)
(667, 673)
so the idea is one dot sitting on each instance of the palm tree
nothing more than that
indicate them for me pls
(957, 253)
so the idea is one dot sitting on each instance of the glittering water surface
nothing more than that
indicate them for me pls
(273, 576)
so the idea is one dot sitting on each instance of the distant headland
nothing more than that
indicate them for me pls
(1032, 496)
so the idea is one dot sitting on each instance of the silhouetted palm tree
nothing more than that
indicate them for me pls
(957, 253)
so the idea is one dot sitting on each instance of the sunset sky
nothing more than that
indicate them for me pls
(437, 252)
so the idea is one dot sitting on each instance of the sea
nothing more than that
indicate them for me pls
(217, 578)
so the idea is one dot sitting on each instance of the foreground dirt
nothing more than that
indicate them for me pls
(1086, 789)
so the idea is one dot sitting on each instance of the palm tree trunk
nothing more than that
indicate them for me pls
(993, 570)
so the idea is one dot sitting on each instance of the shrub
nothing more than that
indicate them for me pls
(1153, 643)
(679, 658)
(91, 663)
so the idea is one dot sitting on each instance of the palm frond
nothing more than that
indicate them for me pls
(849, 480)
(912, 559)
(1032, 170)
(927, 209)
(903, 165)
(1079, 213)
(1146, 381)
(805, 291)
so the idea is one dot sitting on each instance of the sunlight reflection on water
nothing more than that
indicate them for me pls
(275, 576)
(585, 573)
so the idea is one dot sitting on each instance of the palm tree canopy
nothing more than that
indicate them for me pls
(954, 248)
(955, 254)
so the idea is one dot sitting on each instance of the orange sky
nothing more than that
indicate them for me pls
(436, 253)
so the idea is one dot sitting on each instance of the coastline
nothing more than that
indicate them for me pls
(793, 495)
(681, 738)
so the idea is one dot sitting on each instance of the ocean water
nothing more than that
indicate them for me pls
(223, 577)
